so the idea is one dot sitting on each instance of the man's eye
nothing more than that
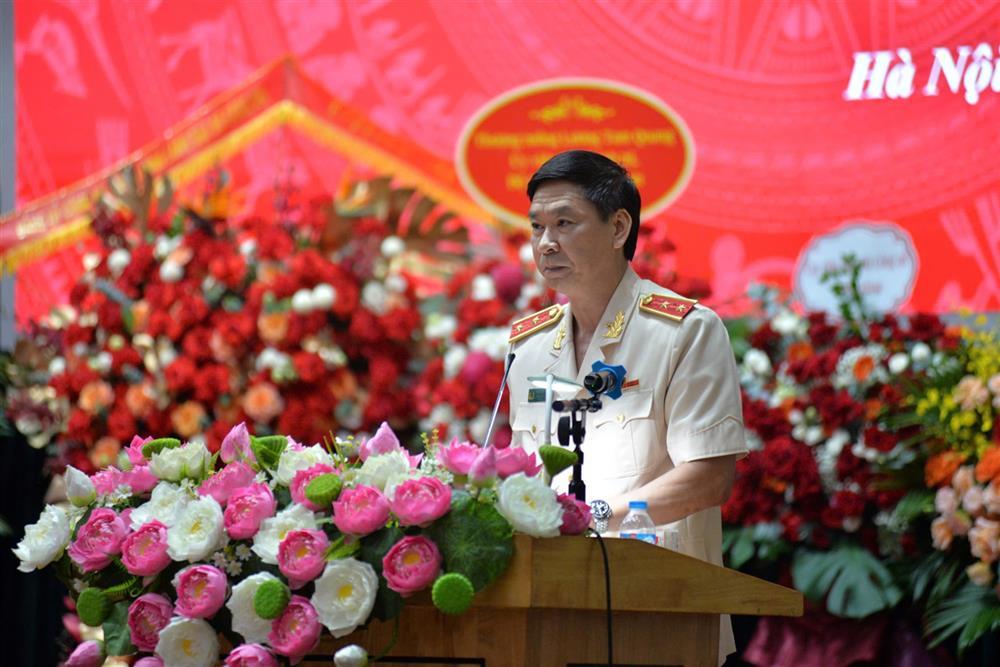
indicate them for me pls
(565, 223)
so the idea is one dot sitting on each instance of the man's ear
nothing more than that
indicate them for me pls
(622, 222)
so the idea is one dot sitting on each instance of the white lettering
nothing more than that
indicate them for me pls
(865, 72)
(952, 71)
(977, 77)
(899, 80)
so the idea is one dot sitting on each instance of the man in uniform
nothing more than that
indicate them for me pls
(673, 436)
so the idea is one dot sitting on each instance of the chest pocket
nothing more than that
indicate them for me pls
(621, 438)
(529, 424)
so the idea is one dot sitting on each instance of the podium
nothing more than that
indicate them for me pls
(549, 610)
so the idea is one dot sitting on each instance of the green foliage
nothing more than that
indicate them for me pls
(117, 640)
(474, 539)
(556, 459)
(158, 445)
(845, 283)
(93, 606)
(268, 449)
(763, 542)
(853, 582)
(971, 612)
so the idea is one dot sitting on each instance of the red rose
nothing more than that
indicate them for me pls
(309, 366)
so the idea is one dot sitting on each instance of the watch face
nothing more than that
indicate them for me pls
(600, 509)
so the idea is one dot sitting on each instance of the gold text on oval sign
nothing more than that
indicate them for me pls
(504, 142)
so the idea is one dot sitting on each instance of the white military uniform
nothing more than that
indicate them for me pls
(681, 399)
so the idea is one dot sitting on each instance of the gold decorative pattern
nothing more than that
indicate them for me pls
(616, 326)
(560, 336)
(672, 307)
(526, 326)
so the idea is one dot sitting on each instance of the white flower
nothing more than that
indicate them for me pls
(921, 352)
(79, 489)
(483, 288)
(188, 642)
(377, 470)
(57, 366)
(528, 292)
(191, 460)
(813, 435)
(323, 296)
(479, 424)
(100, 362)
(898, 363)
(345, 594)
(351, 656)
(392, 246)
(787, 323)
(43, 541)
(294, 460)
(396, 283)
(375, 298)
(439, 325)
(165, 245)
(165, 505)
(526, 255)
(91, 261)
(273, 530)
(240, 603)
(302, 301)
(248, 247)
(454, 358)
(333, 356)
(197, 532)
(757, 362)
(835, 443)
(171, 271)
(860, 367)
(491, 340)
(118, 260)
(529, 505)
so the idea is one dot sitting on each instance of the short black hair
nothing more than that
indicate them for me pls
(605, 183)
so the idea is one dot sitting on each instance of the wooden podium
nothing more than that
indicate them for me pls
(548, 610)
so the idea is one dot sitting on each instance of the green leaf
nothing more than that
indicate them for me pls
(854, 582)
(742, 549)
(474, 539)
(986, 621)
(268, 449)
(972, 611)
(914, 504)
(374, 547)
(116, 635)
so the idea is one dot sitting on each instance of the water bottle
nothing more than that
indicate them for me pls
(637, 524)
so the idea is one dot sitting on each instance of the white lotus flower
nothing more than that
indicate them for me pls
(191, 460)
(240, 603)
(530, 505)
(273, 530)
(188, 642)
(294, 460)
(166, 504)
(377, 470)
(45, 540)
(198, 531)
(79, 489)
(345, 595)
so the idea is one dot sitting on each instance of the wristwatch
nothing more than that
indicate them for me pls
(601, 511)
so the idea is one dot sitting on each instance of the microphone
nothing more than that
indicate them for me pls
(605, 379)
(496, 404)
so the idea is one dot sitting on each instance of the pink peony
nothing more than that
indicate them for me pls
(141, 479)
(508, 279)
(149, 614)
(250, 655)
(419, 501)
(475, 367)
(360, 511)
(99, 540)
(576, 515)
(226, 482)
(296, 631)
(108, 480)
(201, 590)
(301, 481)
(246, 509)
(144, 552)
(411, 564)
(87, 654)
(484, 469)
(457, 456)
(513, 460)
(300, 556)
(149, 661)
(236, 445)
(134, 451)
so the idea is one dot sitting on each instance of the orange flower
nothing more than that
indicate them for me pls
(268, 271)
(344, 385)
(140, 315)
(221, 350)
(262, 403)
(863, 368)
(799, 351)
(105, 452)
(988, 467)
(187, 418)
(939, 468)
(774, 484)
(873, 407)
(139, 399)
(95, 396)
(272, 326)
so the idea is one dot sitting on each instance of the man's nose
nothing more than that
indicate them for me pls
(547, 243)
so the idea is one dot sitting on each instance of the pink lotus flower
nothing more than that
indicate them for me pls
(300, 556)
(99, 540)
(201, 590)
(296, 631)
(149, 614)
(250, 655)
(301, 481)
(144, 552)
(108, 480)
(383, 442)
(148, 661)
(418, 502)
(360, 511)
(134, 451)
(513, 460)
(236, 445)
(576, 515)
(411, 564)
(87, 654)
(226, 482)
(457, 456)
(141, 479)
(484, 469)
(246, 509)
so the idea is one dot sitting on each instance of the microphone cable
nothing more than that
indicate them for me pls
(607, 596)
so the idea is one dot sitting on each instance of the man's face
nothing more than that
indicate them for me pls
(574, 248)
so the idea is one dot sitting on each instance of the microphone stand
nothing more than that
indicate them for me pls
(573, 426)
(496, 404)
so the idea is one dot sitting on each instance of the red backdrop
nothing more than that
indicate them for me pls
(781, 156)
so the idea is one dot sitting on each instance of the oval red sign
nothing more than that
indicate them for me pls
(510, 137)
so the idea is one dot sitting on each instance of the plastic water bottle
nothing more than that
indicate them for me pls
(637, 524)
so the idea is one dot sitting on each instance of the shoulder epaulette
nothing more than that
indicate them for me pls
(526, 326)
(672, 307)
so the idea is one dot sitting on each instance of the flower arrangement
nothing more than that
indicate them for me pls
(268, 543)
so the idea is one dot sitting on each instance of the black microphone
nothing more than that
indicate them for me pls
(496, 404)
(605, 379)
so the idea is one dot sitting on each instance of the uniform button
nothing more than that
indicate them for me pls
(533, 429)
(620, 418)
